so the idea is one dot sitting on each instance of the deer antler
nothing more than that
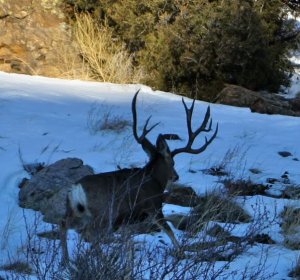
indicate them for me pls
(147, 146)
(193, 134)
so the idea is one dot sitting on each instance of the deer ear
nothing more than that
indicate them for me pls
(161, 145)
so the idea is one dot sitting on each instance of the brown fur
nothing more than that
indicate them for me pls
(122, 197)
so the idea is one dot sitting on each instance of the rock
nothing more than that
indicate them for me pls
(255, 170)
(263, 239)
(237, 96)
(295, 104)
(215, 171)
(285, 154)
(46, 191)
(259, 102)
(272, 180)
(285, 175)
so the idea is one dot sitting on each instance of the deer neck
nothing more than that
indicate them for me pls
(157, 171)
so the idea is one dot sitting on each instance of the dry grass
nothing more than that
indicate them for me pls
(69, 65)
(292, 192)
(295, 274)
(106, 59)
(118, 256)
(94, 55)
(244, 187)
(214, 207)
(291, 227)
(100, 117)
(180, 194)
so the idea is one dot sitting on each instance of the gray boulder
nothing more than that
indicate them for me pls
(46, 191)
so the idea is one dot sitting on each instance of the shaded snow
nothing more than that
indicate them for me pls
(47, 120)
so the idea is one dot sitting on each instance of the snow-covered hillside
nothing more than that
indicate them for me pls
(46, 119)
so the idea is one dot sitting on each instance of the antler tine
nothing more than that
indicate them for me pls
(188, 113)
(146, 144)
(207, 142)
(147, 130)
(204, 123)
(204, 127)
(133, 110)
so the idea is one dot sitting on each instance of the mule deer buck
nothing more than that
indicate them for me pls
(108, 200)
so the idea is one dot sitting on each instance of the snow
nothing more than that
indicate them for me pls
(293, 90)
(44, 120)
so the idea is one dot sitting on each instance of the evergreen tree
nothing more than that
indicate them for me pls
(194, 47)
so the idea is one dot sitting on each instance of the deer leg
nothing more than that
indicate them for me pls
(163, 225)
(63, 241)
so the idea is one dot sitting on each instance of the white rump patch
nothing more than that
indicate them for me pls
(77, 196)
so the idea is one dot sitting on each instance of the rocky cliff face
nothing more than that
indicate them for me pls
(31, 35)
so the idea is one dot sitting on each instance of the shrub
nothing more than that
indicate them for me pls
(113, 261)
(131, 20)
(105, 57)
(217, 42)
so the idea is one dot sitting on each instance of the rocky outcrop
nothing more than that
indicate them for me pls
(31, 35)
(47, 190)
(260, 102)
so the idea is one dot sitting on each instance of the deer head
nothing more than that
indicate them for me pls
(160, 156)
(151, 150)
